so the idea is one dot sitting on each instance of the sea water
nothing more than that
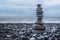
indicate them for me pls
(28, 19)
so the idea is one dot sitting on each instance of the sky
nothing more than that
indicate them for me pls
(27, 8)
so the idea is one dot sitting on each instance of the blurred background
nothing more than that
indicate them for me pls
(25, 11)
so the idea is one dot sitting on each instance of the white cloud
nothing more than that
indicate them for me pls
(52, 2)
(7, 14)
(16, 5)
(10, 4)
(19, 2)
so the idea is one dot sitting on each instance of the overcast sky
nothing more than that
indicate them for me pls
(28, 7)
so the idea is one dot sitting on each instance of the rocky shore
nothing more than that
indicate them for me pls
(25, 31)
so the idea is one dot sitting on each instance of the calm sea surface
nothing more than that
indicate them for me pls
(28, 19)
